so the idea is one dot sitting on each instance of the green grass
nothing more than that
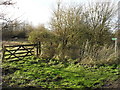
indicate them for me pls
(33, 72)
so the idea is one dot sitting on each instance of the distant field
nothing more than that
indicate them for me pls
(15, 42)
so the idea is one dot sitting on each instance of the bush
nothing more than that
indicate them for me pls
(47, 40)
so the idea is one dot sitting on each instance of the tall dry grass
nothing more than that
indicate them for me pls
(98, 55)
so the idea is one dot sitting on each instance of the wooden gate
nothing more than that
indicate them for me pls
(20, 51)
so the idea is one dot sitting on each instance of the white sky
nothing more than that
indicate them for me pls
(36, 11)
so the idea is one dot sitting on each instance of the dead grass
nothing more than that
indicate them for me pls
(103, 55)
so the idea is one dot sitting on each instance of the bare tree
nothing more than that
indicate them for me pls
(98, 19)
(5, 3)
(74, 25)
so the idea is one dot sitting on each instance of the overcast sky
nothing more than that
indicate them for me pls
(36, 11)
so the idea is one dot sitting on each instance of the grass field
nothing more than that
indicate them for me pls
(43, 73)
(53, 73)
(14, 42)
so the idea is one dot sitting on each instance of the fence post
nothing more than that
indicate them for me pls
(3, 52)
(38, 49)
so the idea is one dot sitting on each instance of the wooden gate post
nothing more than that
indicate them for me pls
(39, 46)
(38, 52)
(3, 52)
